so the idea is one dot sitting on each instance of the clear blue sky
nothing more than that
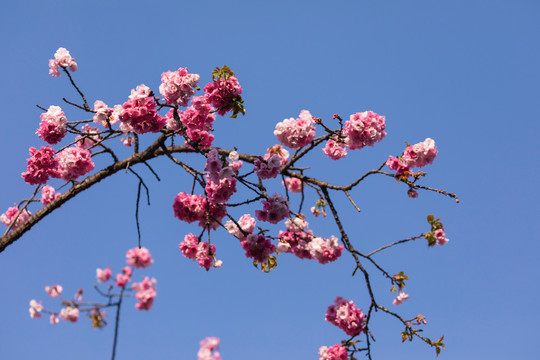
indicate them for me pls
(465, 73)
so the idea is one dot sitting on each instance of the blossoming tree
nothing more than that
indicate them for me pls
(179, 115)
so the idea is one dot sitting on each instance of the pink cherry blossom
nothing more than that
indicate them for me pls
(146, 292)
(221, 92)
(124, 277)
(63, 59)
(103, 275)
(400, 298)
(334, 150)
(139, 257)
(413, 194)
(279, 151)
(140, 92)
(54, 290)
(178, 86)
(294, 185)
(296, 133)
(247, 224)
(222, 191)
(334, 352)
(398, 166)
(53, 319)
(40, 166)
(362, 129)
(441, 237)
(420, 154)
(52, 127)
(345, 315)
(48, 194)
(35, 309)
(10, 214)
(267, 169)
(73, 162)
(198, 251)
(91, 138)
(140, 116)
(258, 247)
(208, 350)
(69, 314)
(190, 208)
(274, 210)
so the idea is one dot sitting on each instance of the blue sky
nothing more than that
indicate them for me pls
(464, 73)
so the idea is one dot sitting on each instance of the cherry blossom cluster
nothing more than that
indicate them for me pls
(52, 127)
(417, 155)
(296, 133)
(105, 115)
(267, 169)
(91, 137)
(275, 209)
(190, 208)
(279, 151)
(62, 59)
(345, 315)
(73, 162)
(48, 194)
(209, 349)
(198, 120)
(178, 86)
(246, 223)
(214, 166)
(221, 191)
(294, 185)
(258, 247)
(11, 213)
(139, 257)
(139, 115)
(199, 251)
(301, 242)
(41, 165)
(145, 292)
(334, 352)
(363, 129)
(335, 150)
(222, 92)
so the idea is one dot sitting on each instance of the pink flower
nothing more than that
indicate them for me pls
(198, 251)
(294, 185)
(140, 92)
(413, 194)
(91, 139)
(10, 214)
(362, 129)
(247, 224)
(334, 352)
(146, 292)
(73, 162)
(35, 309)
(345, 315)
(140, 116)
(48, 194)
(123, 278)
(296, 133)
(104, 113)
(398, 166)
(190, 208)
(139, 257)
(69, 314)
(103, 275)
(400, 298)
(178, 86)
(63, 59)
(208, 350)
(52, 127)
(222, 191)
(440, 236)
(54, 290)
(334, 150)
(274, 210)
(420, 154)
(54, 320)
(221, 93)
(258, 247)
(325, 250)
(267, 169)
(279, 151)
(40, 166)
